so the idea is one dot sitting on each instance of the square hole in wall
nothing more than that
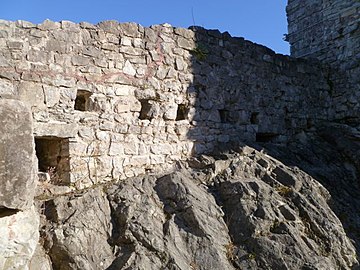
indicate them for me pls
(82, 101)
(266, 137)
(53, 158)
(254, 118)
(182, 112)
(224, 116)
(229, 117)
(149, 109)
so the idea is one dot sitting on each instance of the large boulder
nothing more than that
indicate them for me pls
(17, 156)
(19, 235)
(243, 210)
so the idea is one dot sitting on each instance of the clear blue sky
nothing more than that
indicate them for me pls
(261, 21)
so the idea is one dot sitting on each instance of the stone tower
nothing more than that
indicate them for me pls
(329, 30)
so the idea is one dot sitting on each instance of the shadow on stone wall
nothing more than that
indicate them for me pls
(243, 92)
(246, 94)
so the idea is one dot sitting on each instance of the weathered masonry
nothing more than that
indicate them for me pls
(111, 101)
(330, 32)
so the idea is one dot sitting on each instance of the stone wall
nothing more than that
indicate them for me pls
(330, 32)
(111, 101)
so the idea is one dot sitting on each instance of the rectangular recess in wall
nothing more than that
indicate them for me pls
(82, 101)
(53, 158)
(182, 112)
(266, 136)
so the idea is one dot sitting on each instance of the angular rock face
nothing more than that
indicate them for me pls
(331, 155)
(19, 220)
(17, 156)
(81, 229)
(243, 210)
(19, 235)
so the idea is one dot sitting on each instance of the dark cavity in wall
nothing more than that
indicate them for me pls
(149, 109)
(182, 112)
(266, 137)
(229, 117)
(53, 157)
(254, 119)
(82, 101)
(224, 116)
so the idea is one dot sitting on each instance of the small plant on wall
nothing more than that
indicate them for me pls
(200, 52)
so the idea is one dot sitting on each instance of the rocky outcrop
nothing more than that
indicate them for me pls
(243, 210)
(19, 220)
(331, 155)
(19, 235)
(17, 156)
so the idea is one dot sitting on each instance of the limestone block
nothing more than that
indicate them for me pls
(150, 34)
(157, 159)
(92, 51)
(129, 69)
(6, 88)
(163, 148)
(3, 61)
(131, 51)
(60, 130)
(185, 43)
(180, 63)
(32, 94)
(24, 24)
(171, 112)
(131, 148)
(162, 72)
(125, 41)
(186, 33)
(48, 25)
(130, 29)
(117, 170)
(17, 156)
(116, 149)
(15, 45)
(51, 95)
(127, 104)
(19, 235)
(79, 60)
(138, 161)
(124, 90)
(37, 56)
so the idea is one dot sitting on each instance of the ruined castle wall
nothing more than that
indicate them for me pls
(330, 32)
(111, 101)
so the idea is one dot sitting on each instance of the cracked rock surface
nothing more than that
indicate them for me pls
(240, 210)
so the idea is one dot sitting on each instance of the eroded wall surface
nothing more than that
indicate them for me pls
(330, 32)
(117, 100)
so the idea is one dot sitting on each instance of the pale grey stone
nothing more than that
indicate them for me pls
(129, 69)
(60, 130)
(87, 246)
(32, 94)
(25, 24)
(19, 235)
(40, 260)
(48, 25)
(162, 72)
(52, 95)
(171, 112)
(17, 159)
(6, 88)
(79, 60)
(3, 61)
(185, 43)
(15, 45)
(130, 29)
